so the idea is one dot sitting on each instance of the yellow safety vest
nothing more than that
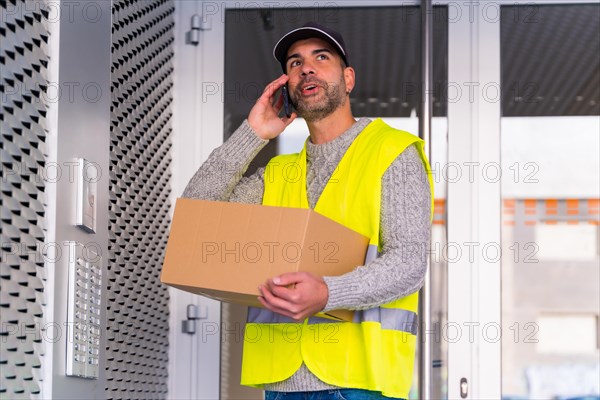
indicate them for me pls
(377, 350)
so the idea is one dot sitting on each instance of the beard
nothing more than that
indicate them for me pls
(316, 107)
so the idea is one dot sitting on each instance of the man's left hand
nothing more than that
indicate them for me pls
(295, 294)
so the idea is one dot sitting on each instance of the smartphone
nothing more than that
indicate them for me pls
(287, 106)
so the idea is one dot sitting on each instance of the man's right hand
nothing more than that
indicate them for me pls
(264, 116)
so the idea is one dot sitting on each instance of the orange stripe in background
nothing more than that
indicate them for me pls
(593, 206)
(551, 207)
(572, 206)
(508, 207)
(530, 203)
(439, 206)
(530, 206)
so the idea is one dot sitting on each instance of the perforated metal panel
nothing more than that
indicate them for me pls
(23, 75)
(138, 313)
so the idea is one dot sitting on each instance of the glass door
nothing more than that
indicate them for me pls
(384, 49)
(550, 130)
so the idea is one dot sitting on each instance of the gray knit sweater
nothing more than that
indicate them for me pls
(405, 224)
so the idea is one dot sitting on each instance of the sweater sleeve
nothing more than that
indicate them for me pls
(220, 177)
(405, 229)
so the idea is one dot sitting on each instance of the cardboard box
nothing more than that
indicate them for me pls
(226, 250)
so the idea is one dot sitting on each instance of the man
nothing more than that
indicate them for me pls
(381, 189)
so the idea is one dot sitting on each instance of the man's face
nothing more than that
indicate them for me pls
(317, 82)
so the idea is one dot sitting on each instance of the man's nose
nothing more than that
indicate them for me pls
(308, 68)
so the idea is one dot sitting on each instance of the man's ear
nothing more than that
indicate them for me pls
(349, 78)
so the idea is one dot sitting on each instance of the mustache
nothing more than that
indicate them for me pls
(310, 79)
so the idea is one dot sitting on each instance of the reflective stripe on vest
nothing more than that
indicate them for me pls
(389, 318)
(377, 350)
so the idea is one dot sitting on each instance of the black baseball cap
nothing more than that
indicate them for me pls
(309, 30)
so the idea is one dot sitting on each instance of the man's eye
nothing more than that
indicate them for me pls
(322, 57)
(295, 63)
